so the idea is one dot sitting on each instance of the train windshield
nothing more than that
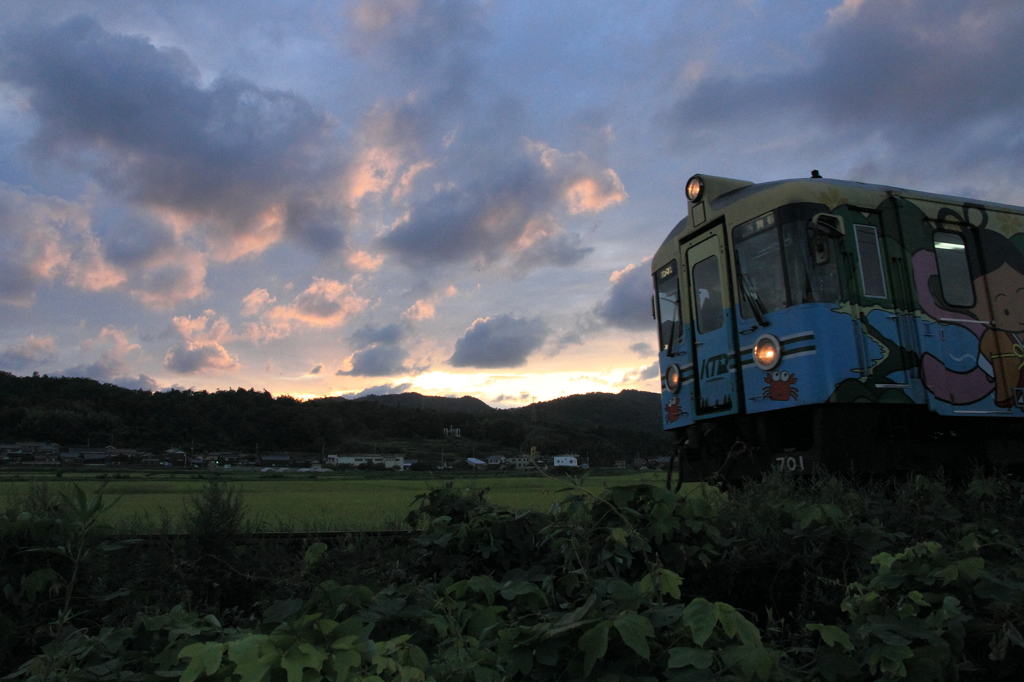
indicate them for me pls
(775, 265)
(669, 317)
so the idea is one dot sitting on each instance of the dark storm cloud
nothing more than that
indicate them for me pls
(233, 156)
(191, 357)
(502, 341)
(642, 348)
(130, 240)
(368, 335)
(490, 191)
(503, 206)
(651, 372)
(628, 305)
(920, 72)
(377, 361)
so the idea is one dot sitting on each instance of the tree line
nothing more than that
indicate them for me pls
(77, 411)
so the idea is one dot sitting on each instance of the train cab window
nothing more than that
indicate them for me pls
(707, 293)
(813, 274)
(954, 275)
(669, 317)
(776, 265)
(759, 263)
(870, 257)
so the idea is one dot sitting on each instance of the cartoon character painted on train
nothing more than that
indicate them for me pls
(999, 272)
(977, 308)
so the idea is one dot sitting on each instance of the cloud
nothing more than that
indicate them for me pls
(419, 311)
(502, 341)
(33, 352)
(502, 200)
(256, 301)
(628, 305)
(45, 239)
(377, 361)
(316, 370)
(391, 334)
(420, 37)
(451, 157)
(650, 372)
(325, 303)
(643, 349)
(362, 260)
(205, 327)
(925, 85)
(383, 389)
(425, 308)
(239, 165)
(114, 364)
(201, 348)
(585, 187)
(381, 354)
(142, 382)
(198, 356)
(522, 398)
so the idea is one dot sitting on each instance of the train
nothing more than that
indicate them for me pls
(820, 323)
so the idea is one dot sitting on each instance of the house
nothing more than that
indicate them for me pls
(276, 461)
(523, 463)
(175, 456)
(30, 453)
(497, 460)
(388, 461)
(565, 461)
(475, 463)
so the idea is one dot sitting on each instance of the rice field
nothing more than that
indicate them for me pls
(299, 502)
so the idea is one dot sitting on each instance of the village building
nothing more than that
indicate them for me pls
(388, 461)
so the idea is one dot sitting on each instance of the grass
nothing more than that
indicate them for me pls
(302, 502)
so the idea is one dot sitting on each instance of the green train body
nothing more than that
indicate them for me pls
(822, 322)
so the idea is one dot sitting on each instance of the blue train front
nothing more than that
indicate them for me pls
(859, 327)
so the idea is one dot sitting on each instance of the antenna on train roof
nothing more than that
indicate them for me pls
(815, 174)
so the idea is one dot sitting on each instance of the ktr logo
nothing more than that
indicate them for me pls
(715, 365)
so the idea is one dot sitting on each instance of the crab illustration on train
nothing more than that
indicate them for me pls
(901, 312)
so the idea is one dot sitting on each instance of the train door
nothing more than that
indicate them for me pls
(714, 352)
(884, 303)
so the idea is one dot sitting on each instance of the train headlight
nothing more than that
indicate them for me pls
(695, 188)
(767, 352)
(673, 378)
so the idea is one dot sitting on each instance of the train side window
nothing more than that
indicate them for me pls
(669, 317)
(954, 276)
(870, 257)
(707, 291)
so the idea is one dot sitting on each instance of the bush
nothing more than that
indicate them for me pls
(785, 579)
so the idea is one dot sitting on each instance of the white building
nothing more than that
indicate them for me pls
(565, 461)
(389, 461)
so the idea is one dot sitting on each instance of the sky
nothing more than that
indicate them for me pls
(454, 197)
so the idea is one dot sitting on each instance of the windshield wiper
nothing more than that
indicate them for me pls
(750, 293)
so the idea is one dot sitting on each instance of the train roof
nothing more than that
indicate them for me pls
(768, 195)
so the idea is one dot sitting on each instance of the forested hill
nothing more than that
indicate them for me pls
(72, 411)
(635, 410)
(466, 404)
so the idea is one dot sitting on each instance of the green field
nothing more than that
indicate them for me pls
(300, 502)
